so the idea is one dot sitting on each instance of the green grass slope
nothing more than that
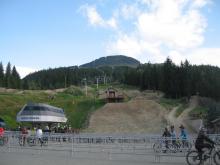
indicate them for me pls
(76, 105)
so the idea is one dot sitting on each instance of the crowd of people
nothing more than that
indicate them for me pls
(27, 133)
(202, 143)
(39, 131)
(171, 134)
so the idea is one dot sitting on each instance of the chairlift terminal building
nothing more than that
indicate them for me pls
(41, 113)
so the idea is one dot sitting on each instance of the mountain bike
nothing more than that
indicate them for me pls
(183, 145)
(3, 140)
(194, 158)
(33, 141)
(21, 140)
(164, 145)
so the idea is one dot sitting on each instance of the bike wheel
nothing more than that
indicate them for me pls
(45, 141)
(5, 140)
(157, 147)
(192, 158)
(173, 148)
(188, 145)
(20, 141)
(31, 142)
(216, 158)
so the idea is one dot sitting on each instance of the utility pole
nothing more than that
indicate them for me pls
(104, 79)
(85, 85)
(97, 82)
(65, 81)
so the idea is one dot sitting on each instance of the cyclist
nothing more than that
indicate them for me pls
(173, 134)
(203, 141)
(166, 134)
(2, 131)
(183, 135)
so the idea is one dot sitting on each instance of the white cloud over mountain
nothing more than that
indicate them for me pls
(160, 28)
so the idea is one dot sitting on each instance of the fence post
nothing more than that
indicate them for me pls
(72, 146)
(9, 140)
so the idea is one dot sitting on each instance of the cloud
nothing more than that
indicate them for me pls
(198, 56)
(205, 56)
(23, 71)
(129, 11)
(95, 18)
(160, 28)
(171, 27)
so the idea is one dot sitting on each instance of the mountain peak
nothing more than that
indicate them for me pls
(114, 60)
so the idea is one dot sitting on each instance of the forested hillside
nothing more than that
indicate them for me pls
(66, 76)
(175, 81)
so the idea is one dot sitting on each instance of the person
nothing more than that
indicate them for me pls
(2, 131)
(166, 134)
(28, 133)
(203, 141)
(24, 133)
(33, 131)
(46, 129)
(183, 135)
(173, 134)
(39, 134)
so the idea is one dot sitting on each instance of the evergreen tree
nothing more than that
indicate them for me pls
(168, 78)
(25, 84)
(15, 78)
(8, 77)
(1, 75)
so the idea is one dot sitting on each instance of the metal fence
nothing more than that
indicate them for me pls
(109, 144)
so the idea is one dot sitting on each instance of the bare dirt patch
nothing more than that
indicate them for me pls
(139, 115)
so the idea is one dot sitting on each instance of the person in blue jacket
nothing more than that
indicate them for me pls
(183, 135)
(173, 134)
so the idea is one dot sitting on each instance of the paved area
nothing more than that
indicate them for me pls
(55, 158)
(87, 151)
(84, 154)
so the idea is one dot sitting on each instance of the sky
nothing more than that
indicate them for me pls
(42, 34)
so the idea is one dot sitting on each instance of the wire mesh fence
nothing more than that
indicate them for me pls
(144, 145)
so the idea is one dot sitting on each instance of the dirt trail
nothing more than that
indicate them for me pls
(171, 119)
(184, 117)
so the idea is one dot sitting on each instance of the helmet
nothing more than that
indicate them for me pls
(203, 130)
(181, 126)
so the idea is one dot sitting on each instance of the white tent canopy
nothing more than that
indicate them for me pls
(37, 112)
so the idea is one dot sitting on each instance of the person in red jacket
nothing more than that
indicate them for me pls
(2, 131)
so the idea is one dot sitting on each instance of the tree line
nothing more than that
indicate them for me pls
(65, 76)
(10, 77)
(177, 81)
